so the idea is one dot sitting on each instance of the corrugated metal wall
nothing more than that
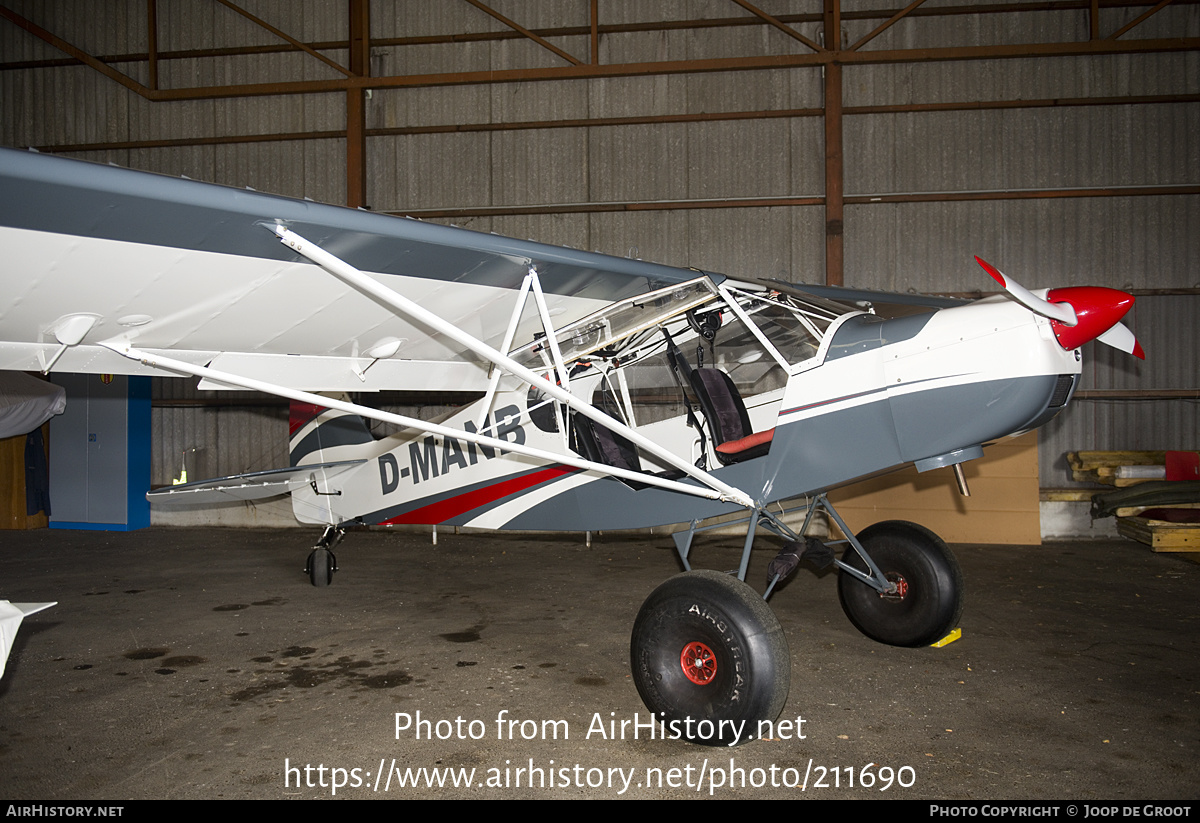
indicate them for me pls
(71, 105)
(1167, 328)
(1142, 242)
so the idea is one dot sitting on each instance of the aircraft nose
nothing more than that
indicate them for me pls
(1098, 311)
(1077, 314)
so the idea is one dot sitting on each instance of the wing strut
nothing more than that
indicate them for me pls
(398, 302)
(169, 364)
(509, 334)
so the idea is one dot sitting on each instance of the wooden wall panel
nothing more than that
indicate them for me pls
(1002, 508)
(12, 484)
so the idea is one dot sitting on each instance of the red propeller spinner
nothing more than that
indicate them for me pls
(1077, 314)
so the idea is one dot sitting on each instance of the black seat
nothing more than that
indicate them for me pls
(728, 422)
(602, 445)
(722, 405)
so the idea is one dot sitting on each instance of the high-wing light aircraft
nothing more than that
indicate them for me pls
(615, 393)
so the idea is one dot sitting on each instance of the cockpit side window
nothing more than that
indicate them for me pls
(653, 392)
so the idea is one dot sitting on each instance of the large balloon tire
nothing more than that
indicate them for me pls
(929, 601)
(705, 647)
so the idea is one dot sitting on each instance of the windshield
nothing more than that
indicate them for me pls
(790, 329)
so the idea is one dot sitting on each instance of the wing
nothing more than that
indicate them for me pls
(94, 252)
(11, 615)
(883, 303)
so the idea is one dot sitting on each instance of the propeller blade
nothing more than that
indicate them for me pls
(1062, 312)
(1120, 337)
(1078, 313)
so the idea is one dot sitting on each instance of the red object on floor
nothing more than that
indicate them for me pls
(1172, 515)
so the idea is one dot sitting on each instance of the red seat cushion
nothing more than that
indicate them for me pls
(739, 446)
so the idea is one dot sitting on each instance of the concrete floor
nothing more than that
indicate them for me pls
(199, 663)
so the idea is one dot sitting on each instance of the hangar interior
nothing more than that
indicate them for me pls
(1059, 139)
(852, 143)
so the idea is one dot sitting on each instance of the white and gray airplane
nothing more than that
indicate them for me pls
(613, 393)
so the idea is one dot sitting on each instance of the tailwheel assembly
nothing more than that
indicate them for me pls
(322, 562)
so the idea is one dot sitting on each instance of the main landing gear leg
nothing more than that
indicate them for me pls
(898, 582)
(709, 656)
(923, 600)
(322, 562)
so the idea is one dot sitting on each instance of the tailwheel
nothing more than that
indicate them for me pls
(322, 562)
(924, 602)
(709, 658)
(320, 568)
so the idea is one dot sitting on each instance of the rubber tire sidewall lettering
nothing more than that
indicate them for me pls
(753, 663)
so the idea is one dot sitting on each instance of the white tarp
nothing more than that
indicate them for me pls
(26, 402)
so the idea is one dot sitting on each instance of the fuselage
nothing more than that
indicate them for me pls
(98, 258)
(879, 393)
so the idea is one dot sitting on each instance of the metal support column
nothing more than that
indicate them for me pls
(833, 148)
(356, 114)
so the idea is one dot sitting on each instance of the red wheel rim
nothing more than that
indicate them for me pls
(699, 663)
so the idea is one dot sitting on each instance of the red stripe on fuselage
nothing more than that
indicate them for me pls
(829, 401)
(443, 510)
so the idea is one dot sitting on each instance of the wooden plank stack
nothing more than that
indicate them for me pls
(1102, 466)
(1161, 535)
(1162, 529)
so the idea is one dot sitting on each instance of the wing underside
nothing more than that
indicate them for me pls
(171, 265)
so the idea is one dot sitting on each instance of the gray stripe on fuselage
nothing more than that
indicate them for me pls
(970, 415)
(345, 430)
(54, 194)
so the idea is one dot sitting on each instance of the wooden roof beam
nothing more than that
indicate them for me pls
(1137, 20)
(293, 41)
(76, 52)
(887, 24)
